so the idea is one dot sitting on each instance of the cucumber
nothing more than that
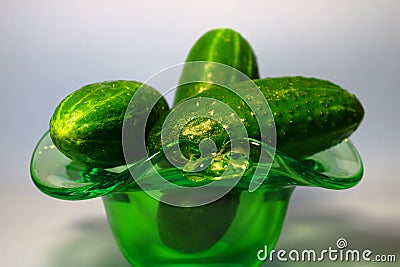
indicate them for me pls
(189, 229)
(195, 229)
(224, 46)
(310, 115)
(87, 125)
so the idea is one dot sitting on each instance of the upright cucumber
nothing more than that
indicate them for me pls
(190, 229)
(87, 125)
(223, 46)
(310, 115)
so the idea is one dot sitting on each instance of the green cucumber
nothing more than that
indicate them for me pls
(195, 229)
(223, 46)
(310, 115)
(87, 125)
(189, 229)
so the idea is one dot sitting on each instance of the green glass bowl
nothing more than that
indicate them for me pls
(227, 232)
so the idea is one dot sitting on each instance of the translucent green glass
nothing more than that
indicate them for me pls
(227, 232)
(151, 233)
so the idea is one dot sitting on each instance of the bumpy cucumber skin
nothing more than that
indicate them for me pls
(224, 46)
(310, 115)
(87, 125)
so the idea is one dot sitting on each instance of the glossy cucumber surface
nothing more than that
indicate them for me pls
(87, 125)
(224, 46)
(310, 115)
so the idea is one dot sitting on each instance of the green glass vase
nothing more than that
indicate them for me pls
(227, 232)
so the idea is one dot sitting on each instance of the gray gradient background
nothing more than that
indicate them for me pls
(50, 48)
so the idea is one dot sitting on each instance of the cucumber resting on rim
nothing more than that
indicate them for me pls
(87, 125)
(310, 115)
